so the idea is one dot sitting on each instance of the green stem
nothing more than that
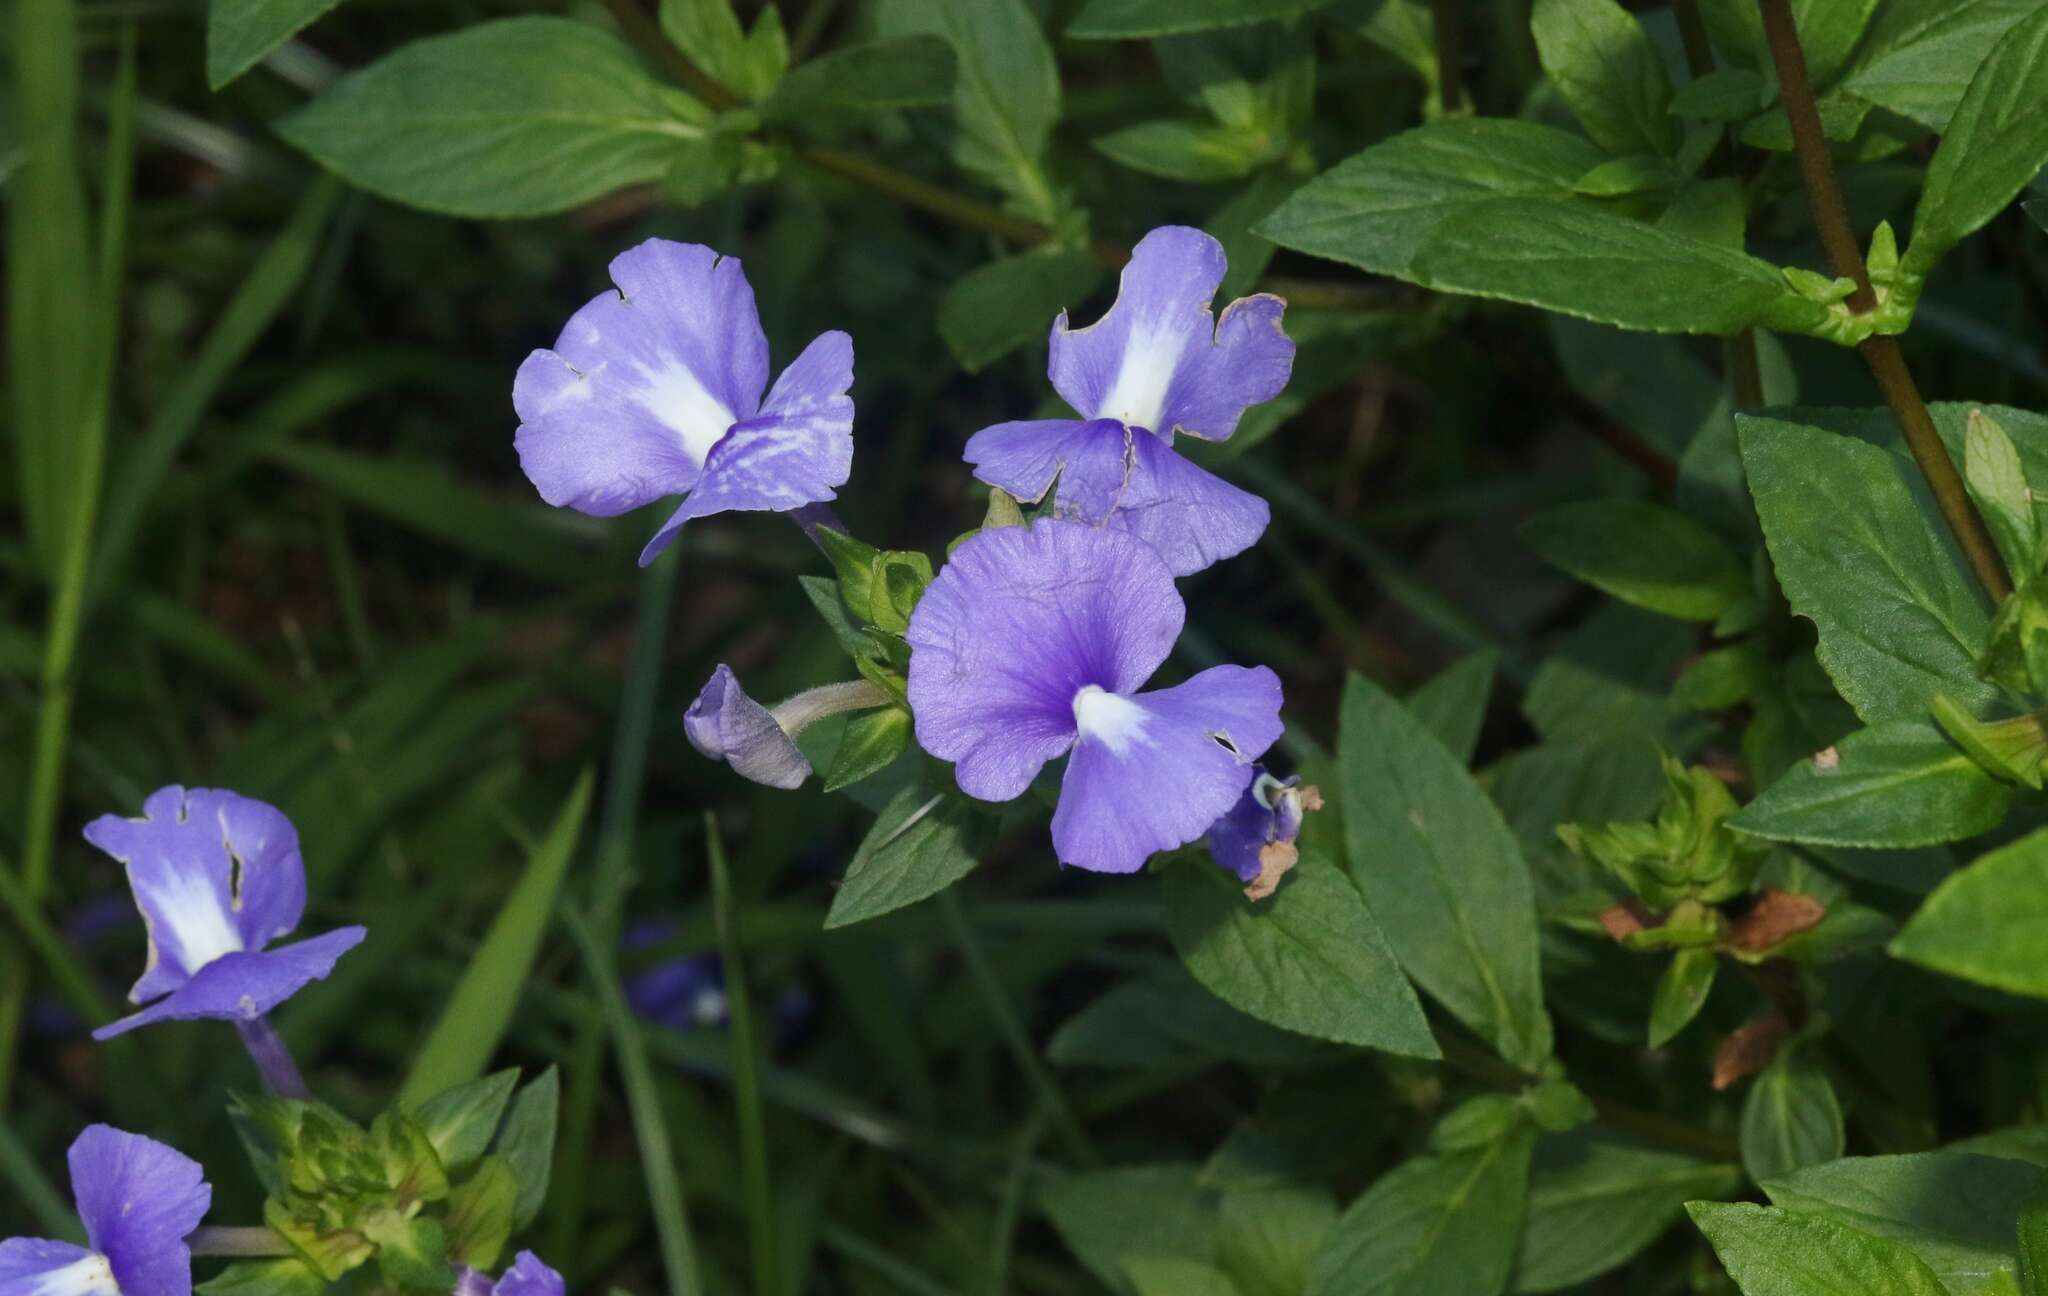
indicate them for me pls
(1887, 363)
(1450, 55)
(1014, 1035)
(746, 1075)
(254, 1241)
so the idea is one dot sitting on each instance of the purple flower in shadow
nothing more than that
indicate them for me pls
(139, 1201)
(218, 877)
(655, 390)
(1033, 642)
(1158, 363)
(528, 1275)
(1255, 840)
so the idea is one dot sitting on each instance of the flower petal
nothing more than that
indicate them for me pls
(1236, 839)
(1248, 363)
(725, 724)
(39, 1267)
(1024, 457)
(270, 874)
(1015, 625)
(1164, 767)
(795, 453)
(1191, 516)
(529, 1276)
(643, 381)
(139, 1200)
(183, 879)
(246, 984)
(1124, 365)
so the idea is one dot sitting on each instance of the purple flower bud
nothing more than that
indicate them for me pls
(725, 724)
(218, 877)
(139, 1201)
(655, 391)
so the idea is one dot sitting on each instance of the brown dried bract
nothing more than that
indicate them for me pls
(1275, 858)
(1749, 1049)
(1776, 917)
(1625, 919)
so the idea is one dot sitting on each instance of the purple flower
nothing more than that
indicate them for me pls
(1033, 641)
(1156, 364)
(655, 390)
(725, 724)
(140, 1200)
(528, 1275)
(217, 877)
(1255, 840)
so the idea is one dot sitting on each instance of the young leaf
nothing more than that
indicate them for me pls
(1654, 557)
(1998, 483)
(480, 1006)
(1441, 872)
(1681, 993)
(872, 741)
(480, 1210)
(1603, 64)
(1375, 209)
(993, 309)
(708, 31)
(460, 1121)
(1996, 142)
(1898, 620)
(1951, 1208)
(1772, 1252)
(511, 117)
(1310, 959)
(526, 1142)
(908, 72)
(1790, 1120)
(1445, 1223)
(1981, 924)
(1595, 1202)
(917, 848)
(1895, 785)
(1194, 152)
(239, 33)
(1125, 19)
(1921, 53)
(1452, 703)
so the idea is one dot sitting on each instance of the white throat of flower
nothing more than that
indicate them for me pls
(87, 1276)
(674, 396)
(205, 930)
(1109, 718)
(1137, 398)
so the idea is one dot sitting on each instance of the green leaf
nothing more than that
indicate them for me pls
(411, 1251)
(872, 741)
(823, 593)
(993, 309)
(1445, 1223)
(1604, 66)
(239, 33)
(1128, 19)
(1982, 925)
(1996, 142)
(1595, 1202)
(1790, 1120)
(1772, 1252)
(507, 118)
(1441, 872)
(1581, 259)
(1641, 553)
(1452, 703)
(1724, 95)
(1270, 1237)
(1921, 54)
(1172, 1276)
(907, 72)
(480, 1006)
(1375, 209)
(1998, 483)
(1681, 993)
(460, 1121)
(1899, 622)
(2033, 1232)
(1952, 1209)
(1310, 958)
(527, 1142)
(1896, 784)
(1006, 96)
(918, 847)
(1109, 1217)
(1165, 1021)
(709, 32)
(1196, 152)
(480, 1212)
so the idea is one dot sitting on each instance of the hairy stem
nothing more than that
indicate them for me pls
(266, 1048)
(219, 1240)
(1887, 363)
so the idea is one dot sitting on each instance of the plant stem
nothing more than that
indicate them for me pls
(266, 1048)
(1450, 55)
(746, 1074)
(221, 1240)
(1887, 363)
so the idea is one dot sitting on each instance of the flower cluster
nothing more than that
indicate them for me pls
(1036, 639)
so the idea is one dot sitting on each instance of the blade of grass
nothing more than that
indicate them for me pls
(624, 776)
(1011, 1204)
(480, 1007)
(657, 1154)
(746, 1077)
(19, 1169)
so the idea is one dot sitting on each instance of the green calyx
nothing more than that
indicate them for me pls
(1685, 854)
(1896, 286)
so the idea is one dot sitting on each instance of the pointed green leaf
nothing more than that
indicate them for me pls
(1654, 557)
(1996, 142)
(906, 72)
(1595, 1202)
(1603, 64)
(1982, 924)
(1452, 703)
(240, 33)
(461, 1121)
(919, 846)
(527, 1142)
(1895, 785)
(1791, 1119)
(1127, 19)
(1771, 1252)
